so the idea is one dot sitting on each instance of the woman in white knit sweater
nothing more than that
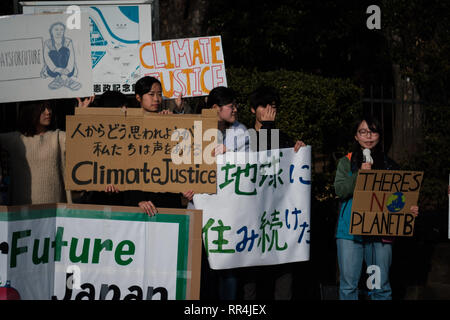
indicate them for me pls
(36, 157)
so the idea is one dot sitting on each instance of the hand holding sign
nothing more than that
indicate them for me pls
(298, 145)
(148, 207)
(415, 210)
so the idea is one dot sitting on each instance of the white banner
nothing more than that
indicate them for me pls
(42, 58)
(261, 212)
(96, 254)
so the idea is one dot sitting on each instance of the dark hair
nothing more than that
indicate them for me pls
(377, 153)
(144, 85)
(112, 99)
(29, 116)
(51, 34)
(220, 96)
(263, 96)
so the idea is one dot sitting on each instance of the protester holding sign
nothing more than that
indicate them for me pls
(264, 103)
(36, 157)
(233, 133)
(223, 100)
(149, 95)
(352, 250)
(234, 138)
(277, 279)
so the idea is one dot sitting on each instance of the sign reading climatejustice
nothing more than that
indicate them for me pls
(140, 152)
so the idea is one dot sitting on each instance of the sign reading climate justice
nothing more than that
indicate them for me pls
(136, 151)
(382, 201)
(188, 67)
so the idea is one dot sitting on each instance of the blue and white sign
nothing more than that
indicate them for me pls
(116, 30)
(41, 58)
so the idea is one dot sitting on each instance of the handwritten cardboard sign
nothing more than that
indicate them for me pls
(137, 151)
(188, 67)
(382, 201)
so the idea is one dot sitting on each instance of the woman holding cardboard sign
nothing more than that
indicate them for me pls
(148, 92)
(352, 250)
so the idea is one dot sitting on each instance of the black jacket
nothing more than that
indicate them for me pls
(284, 140)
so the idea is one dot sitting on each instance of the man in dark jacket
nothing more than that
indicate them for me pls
(268, 282)
(264, 102)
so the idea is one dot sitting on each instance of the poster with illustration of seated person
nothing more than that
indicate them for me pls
(59, 59)
(116, 30)
(44, 57)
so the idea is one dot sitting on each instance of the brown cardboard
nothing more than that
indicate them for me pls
(389, 180)
(372, 213)
(371, 201)
(133, 151)
(382, 223)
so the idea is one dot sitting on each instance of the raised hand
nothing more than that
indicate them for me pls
(85, 102)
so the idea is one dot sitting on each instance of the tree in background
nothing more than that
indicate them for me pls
(182, 18)
(419, 38)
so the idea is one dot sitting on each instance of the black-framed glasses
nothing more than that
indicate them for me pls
(365, 132)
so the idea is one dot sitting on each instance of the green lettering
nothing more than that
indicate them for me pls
(44, 257)
(84, 257)
(120, 252)
(15, 250)
(99, 246)
(58, 243)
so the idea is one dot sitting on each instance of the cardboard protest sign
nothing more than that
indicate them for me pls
(116, 29)
(93, 252)
(40, 58)
(261, 212)
(188, 67)
(137, 151)
(382, 200)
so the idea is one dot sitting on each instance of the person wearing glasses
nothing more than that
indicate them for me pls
(352, 250)
(222, 284)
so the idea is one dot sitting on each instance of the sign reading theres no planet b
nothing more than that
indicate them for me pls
(382, 201)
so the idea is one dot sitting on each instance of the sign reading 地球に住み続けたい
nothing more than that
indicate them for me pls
(382, 202)
(261, 212)
(187, 67)
(116, 28)
(93, 252)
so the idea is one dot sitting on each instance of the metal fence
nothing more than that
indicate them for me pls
(400, 114)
